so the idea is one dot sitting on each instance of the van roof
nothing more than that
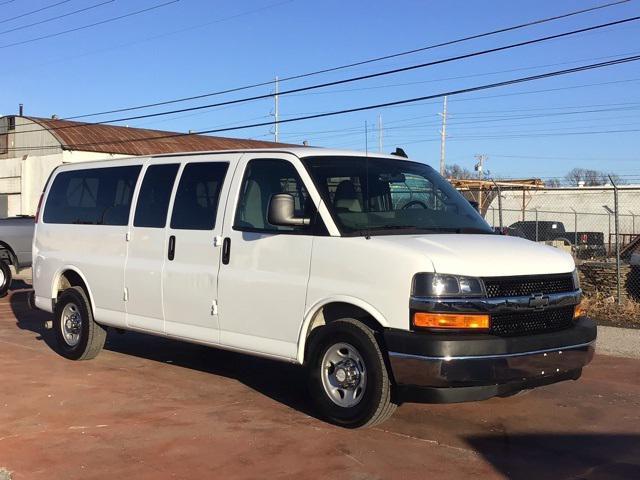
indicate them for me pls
(300, 152)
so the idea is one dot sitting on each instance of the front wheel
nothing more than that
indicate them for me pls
(5, 278)
(78, 336)
(348, 378)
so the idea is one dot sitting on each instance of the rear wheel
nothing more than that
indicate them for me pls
(5, 278)
(78, 336)
(348, 377)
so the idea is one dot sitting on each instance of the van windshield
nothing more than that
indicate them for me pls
(379, 196)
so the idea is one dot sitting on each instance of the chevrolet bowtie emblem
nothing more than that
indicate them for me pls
(538, 300)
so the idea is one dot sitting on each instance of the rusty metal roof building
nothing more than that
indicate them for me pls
(123, 140)
(32, 147)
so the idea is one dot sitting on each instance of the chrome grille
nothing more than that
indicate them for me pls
(531, 322)
(528, 285)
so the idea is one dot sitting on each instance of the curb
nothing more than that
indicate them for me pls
(618, 342)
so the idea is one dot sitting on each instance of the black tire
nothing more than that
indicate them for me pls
(5, 278)
(376, 403)
(91, 336)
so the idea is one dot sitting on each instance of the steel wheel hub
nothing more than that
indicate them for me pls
(347, 374)
(343, 374)
(71, 324)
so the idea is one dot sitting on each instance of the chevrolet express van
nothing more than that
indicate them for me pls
(372, 272)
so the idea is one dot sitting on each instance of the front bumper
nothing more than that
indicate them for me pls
(464, 367)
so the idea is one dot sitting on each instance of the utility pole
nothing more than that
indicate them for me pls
(276, 114)
(380, 141)
(443, 136)
(479, 168)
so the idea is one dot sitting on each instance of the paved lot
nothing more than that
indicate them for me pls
(152, 408)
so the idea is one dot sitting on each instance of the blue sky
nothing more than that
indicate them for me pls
(191, 47)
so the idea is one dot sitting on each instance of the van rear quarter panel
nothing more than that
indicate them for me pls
(97, 252)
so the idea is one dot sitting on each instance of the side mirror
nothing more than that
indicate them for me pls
(282, 211)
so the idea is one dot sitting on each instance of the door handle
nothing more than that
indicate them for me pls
(172, 247)
(226, 250)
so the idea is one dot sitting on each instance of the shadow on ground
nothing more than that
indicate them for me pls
(575, 456)
(283, 382)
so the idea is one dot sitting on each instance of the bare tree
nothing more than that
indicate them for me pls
(553, 183)
(458, 172)
(591, 178)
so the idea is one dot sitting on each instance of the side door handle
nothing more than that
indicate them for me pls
(172, 247)
(226, 250)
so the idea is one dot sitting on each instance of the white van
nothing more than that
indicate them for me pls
(371, 271)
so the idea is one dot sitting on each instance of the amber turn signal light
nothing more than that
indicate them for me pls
(450, 320)
(578, 312)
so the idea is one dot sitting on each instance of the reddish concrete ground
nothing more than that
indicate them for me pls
(152, 408)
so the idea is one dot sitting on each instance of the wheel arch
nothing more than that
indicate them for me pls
(71, 276)
(7, 252)
(332, 308)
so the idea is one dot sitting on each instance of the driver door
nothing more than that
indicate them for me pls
(265, 268)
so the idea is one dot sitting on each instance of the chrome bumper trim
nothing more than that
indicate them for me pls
(424, 371)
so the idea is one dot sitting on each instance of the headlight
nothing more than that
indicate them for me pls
(442, 285)
(576, 279)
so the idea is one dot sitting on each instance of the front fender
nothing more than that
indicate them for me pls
(317, 306)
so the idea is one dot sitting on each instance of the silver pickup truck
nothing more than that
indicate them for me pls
(16, 235)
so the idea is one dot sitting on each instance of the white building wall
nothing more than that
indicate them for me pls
(35, 171)
(582, 207)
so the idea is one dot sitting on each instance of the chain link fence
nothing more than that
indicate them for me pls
(599, 226)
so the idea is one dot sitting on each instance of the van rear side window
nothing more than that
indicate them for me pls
(97, 196)
(196, 202)
(154, 196)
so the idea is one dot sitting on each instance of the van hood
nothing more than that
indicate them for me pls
(486, 255)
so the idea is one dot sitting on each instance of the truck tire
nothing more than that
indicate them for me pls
(5, 278)
(348, 378)
(78, 336)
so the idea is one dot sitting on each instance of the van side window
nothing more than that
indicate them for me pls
(196, 202)
(96, 196)
(154, 196)
(263, 178)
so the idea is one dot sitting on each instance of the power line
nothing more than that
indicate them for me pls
(564, 107)
(114, 46)
(632, 106)
(102, 22)
(564, 158)
(458, 77)
(51, 19)
(354, 64)
(369, 76)
(33, 11)
(435, 122)
(519, 117)
(538, 135)
(528, 92)
(376, 106)
(351, 133)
